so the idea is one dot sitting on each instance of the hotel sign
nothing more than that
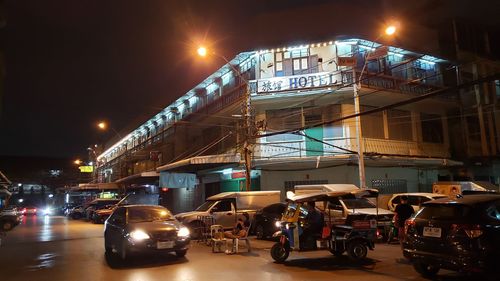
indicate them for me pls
(298, 82)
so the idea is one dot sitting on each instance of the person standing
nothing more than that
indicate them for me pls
(403, 212)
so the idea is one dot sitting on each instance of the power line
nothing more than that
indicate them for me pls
(392, 105)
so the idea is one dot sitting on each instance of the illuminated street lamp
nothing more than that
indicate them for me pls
(203, 52)
(356, 85)
(104, 126)
(78, 161)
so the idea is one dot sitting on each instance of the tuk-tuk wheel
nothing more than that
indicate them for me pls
(357, 250)
(279, 253)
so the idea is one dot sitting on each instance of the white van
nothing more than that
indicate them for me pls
(223, 207)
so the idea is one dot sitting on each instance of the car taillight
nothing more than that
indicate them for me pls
(409, 225)
(471, 230)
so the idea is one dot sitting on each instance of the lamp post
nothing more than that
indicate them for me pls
(202, 52)
(356, 85)
(104, 126)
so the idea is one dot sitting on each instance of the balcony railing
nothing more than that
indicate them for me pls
(380, 146)
(387, 82)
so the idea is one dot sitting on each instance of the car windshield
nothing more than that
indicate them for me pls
(144, 214)
(358, 203)
(205, 206)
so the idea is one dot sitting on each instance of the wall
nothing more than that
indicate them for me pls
(416, 179)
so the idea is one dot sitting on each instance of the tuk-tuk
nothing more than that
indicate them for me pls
(353, 233)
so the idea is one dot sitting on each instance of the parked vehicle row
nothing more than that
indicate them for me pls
(461, 234)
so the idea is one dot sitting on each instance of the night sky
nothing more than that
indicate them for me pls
(72, 63)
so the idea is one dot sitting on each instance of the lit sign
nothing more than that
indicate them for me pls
(298, 82)
(346, 61)
(86, 169)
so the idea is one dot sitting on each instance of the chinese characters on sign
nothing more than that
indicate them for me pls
(298, 82)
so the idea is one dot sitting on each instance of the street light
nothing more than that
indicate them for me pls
(104, 126)
(356, 85)
(78, 162)
(203, 52)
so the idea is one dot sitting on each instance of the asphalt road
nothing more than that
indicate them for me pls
(57, 248)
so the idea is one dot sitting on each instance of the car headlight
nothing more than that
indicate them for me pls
(277, 224)
(183, 232)
(47, 211)
(139, 235)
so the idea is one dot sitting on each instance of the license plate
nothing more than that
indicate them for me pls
(432, 232)
(164, 244)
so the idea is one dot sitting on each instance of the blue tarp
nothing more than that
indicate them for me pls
(177, 180)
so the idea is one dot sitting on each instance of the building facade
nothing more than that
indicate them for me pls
(300, 127)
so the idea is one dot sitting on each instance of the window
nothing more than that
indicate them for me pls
(284, 119)
(118, 216)
(222, 206)
(372, 125)
(278, 64)
(399, 123)
(432, 128)
(333, 130)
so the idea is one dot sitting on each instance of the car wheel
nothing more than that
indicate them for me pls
(357, 250)
(7, 225)
(279, 253)
(259, 231)
(180, 253)
(426, 270)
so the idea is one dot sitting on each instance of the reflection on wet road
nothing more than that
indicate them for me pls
(57, 248)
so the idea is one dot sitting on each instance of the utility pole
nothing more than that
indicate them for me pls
(359, 135)
(247, 153)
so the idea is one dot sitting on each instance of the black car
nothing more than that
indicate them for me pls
(461, 234)
(144, 228)
(265, 220)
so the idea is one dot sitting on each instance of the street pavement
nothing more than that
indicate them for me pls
(57, 248)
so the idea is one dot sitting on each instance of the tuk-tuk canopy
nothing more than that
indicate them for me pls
(325, 196)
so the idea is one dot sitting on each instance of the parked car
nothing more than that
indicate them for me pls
(77, 212)
(9, 218)
(267, 220)
(66, 208)
(29, 210)
(98, 204)
(414, 199)
(99, 216)
(461, 234)
(223, 208)
(144, 228)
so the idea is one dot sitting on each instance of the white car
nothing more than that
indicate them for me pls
(414, 199)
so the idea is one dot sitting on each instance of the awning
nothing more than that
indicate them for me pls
(315, 162)
(140, 178)
(96, 186)
(199, 163)
(4, 193)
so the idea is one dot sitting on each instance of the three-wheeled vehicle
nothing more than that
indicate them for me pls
(337, 232)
